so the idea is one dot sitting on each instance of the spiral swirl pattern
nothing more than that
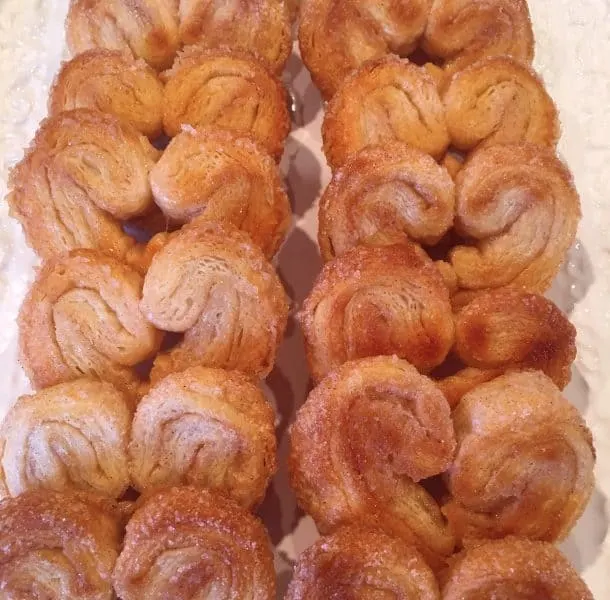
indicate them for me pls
(499, 100)
(223, 177)
(363, 438)
(72, 436)
(518, 208)
(205, 427)
(212, 283)
(186, 543)
(228, 89)
(360, 564)
(81, 317)
(385, 100)
(112, 82)
(83, 173)
(389, 189)
(378, 301)
(461, 31)
(338, 36)
(57, 546)
(516, 569)
(524, 463)
(146, 29)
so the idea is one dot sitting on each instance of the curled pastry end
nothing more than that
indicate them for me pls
(82, 317)
(524, 464)
(389, 189)
(365, 435)
(55, 545)
(146, 29)
(512, 329)
(228, 89)
(111, 82)
(223, 176)
(84, 172)
(518, 208)
(71, 436)
(499, 100)
(385, 100)
(513, 568)
(337, 37)
(356, 560)
(205, 427)
(257, 26)
(183, 542)
(210, 282)
(460, 32)
(378, 300)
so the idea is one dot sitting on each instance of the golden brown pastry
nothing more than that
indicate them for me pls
(378, 301)
(57, 546)
(212, 283)
(83, 173)
(112, 82)
(188, 543)
(364, 436)
(499, 100)
(519, 210)
(147, 29)
(258, 26)
(515, 569)
(226, 177)
(384, 100)
(389, 189)
(359, 563)
(338, 36)
(462, 31)
(455, 386)
(524, 464)
(205, 427)
(81, 317)
(227, 89)
(72, 436)
(512, 329)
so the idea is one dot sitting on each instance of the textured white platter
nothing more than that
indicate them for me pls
(573, 46)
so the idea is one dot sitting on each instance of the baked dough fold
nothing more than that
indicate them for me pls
(112, 82)
(72, 436)
(385, 100)
(518, 209)
(186, 543)
(57, 546)
(83, 173)
(228, 89)
(365, 435)
(147, 29)
(392, 189)
(516, 569)
(524, 464)
(223, 176)
(212, 283)
(205, 427)
(378, 300)
(360, 563)
(82, 317)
